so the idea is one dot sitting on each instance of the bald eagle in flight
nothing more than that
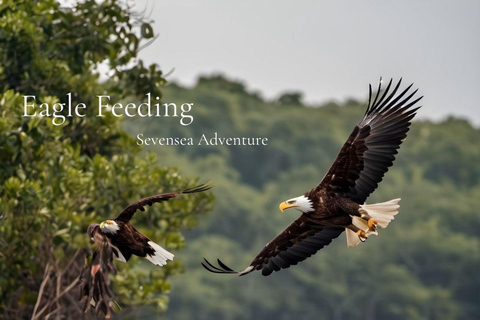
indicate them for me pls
(125, 240)
(337, 204)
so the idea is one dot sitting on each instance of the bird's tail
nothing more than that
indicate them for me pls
(160, 256)
(383, 212)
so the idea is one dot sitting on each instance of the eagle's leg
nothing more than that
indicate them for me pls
(372, 223)
(362, 235)
(354, 209)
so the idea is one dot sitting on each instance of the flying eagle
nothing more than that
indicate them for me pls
(338, 202)
(126, 240)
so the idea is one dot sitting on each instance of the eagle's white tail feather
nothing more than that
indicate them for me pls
(161, 255)
(383, 212)
(360, 223)
(352, 238)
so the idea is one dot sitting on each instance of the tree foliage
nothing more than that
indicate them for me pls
(56, 180)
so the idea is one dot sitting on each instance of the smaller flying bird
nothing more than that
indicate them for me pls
(126, 240)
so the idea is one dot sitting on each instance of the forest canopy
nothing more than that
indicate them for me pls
(57, 178)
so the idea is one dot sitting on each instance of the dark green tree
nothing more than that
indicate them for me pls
(291, 98)
(57, 179)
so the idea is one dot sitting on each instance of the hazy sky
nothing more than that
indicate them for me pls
(326, 49)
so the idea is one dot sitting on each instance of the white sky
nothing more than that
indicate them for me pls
(327, 49)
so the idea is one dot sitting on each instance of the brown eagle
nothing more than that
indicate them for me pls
(126, 240)
(338, 202)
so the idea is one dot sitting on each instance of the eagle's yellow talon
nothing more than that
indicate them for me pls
(362, 235)
(372, 224)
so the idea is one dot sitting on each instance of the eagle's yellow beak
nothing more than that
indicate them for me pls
(102, 225)
(284, 206)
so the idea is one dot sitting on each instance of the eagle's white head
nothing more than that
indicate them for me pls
(109, 226)
(301, 203)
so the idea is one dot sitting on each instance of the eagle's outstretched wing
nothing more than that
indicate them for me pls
(300, 240)
(128, 212)
(370, 150)
(355, 174)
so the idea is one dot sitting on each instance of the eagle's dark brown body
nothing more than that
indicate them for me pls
(131, 242)
(331, 209)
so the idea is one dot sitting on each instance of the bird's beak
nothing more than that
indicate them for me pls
(284, 206)
(102, 225)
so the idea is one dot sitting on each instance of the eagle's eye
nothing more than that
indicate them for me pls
(109, 222)
(291, 201)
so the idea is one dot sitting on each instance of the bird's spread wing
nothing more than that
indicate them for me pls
(370, 150)
(297, 242)
(128, 212)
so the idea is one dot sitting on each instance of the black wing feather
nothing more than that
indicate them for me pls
(371, 148)
(296, 243)
(128, 212)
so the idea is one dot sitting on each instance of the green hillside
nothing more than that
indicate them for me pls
(424, 266)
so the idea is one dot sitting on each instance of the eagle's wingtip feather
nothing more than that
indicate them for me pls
(200, 188)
